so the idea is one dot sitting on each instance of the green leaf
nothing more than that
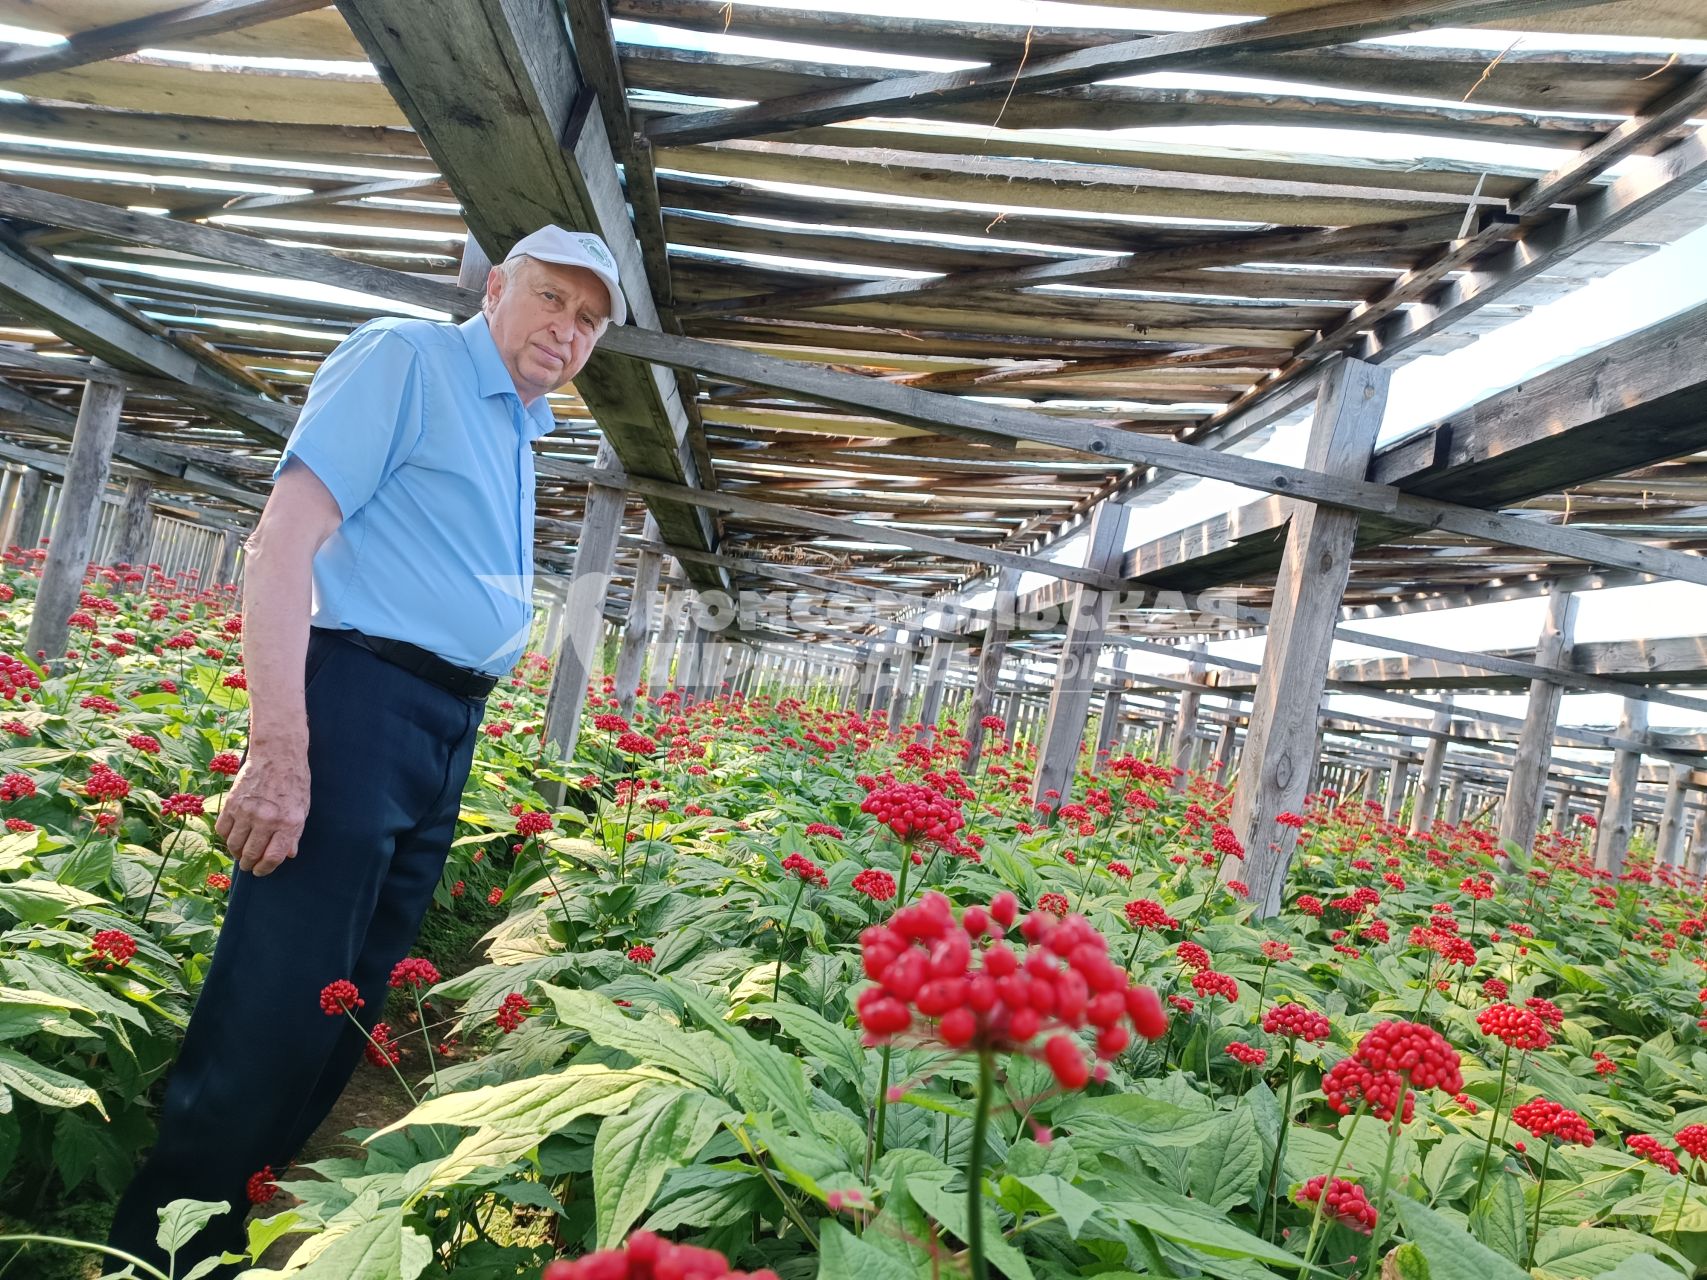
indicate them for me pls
(1587, 1251)
(1074, 1206)
(38, 901)
(1183, 1221)
(368, 1245)
(1639, 1266)
(695, 1056)
(835, 1046)
(1500, 1221)
(949, 1209)
(536, 1105)
(1227, 1166)
(38, 1083)
(180, 1220)
(1116, 1120)
(843, 1255)
(770, 1079)
(264, 1232)
(1452, 1253)
(633, 1152)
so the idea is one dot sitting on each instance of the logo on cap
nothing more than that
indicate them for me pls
(594, 246)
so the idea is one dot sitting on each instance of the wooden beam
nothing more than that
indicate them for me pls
(151, 31)
(1668, 846)
(637, 630)
(1303, 29)
(951, 416)
(589, 585)
(1281, 745)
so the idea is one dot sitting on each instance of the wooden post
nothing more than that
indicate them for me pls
(1697, 857)
(85, 481)
(9, 480)
(638, 628)
(989, 673)
(135, 524)
(1668, 846)
(1283, 740)
(1016, 705)
(230, 543)
(1521, 817)
(1108, 722)
(689, 650)
(1428, 783)
(1184, 742)
(25, 531)
(601, 526)
(1075, 668)
(937, 664)
(901, 700)
(664, 648)
(1617, 818)
(1398, 780)
(1226, 747)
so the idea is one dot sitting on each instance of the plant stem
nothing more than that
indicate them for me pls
(380, 1049)
(1540, 1195)
(788, 1206)
(1493, 1124)
(1682, 1200)
(1268, 1201)
(85, 1244)
(906, 866)
(1322, 1200)
(882, 1102)
(980, 1269)
(158, 872)
(421, 1016)
(782, 946)
(1384, 1212)
(1133, 953)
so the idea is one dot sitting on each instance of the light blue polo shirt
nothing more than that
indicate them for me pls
(416, 428)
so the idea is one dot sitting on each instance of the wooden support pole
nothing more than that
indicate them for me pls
(937, 665)
(1108, 723)
(135, 523)
(664, 650)
(230, 543)
(1520, 819)
(989, 672)
(1184, 742)
(1283, 740)
(901, 699)
(589, 584)
(1075, 669)
(1398, 782)
(1428, 783)
(1697, 856)
(1668, 846)
(689, 650)
(1617, 817)
(638, 628)
(1225, 749)
(74, 532)
(8, 494)
(25, 531)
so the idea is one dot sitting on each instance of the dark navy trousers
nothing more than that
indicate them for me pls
(261, 1064)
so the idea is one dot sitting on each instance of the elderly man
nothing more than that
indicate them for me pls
(387, 590)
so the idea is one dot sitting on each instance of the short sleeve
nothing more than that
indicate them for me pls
(362, 416)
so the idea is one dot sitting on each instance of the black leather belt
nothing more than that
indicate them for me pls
(465, 682)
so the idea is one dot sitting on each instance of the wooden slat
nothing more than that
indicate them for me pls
(1329, 25)
(155, 30)
(318, 34)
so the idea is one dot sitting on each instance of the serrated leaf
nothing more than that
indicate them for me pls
(837, 1047)
(1452, 1253)
(38, 901)
(696, 1057)
(1075, 1207)
(1587, 1251)
(180, 1220)
(1227, 1166)
(771, 1080)
(1174, 1217)
(1639, 1266)
(634, 1151)
(43, 1085)
(1500, 1221)
(843, 1255)
(263, 1232)
(536, 1105)
(381, 1246)
(949, 1209)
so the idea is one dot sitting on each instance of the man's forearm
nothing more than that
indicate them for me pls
(277, 596)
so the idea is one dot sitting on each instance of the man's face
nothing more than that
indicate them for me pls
(544, 321)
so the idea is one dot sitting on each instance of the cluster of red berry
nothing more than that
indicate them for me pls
(647, 1257)
(416, 971)
(980, 994)
(340, 997)
(1346, 1202)
(1518, 1028)
(382, 1050)
(1544, 1118)
(1248, 1054)
(874, 883)
(914, 811)
(640, 953)
(513, 1012)
(1295, 1022)
(809, 872)
(531, 822)
(1653, 1151)
(1392, 1061)
(115, 946)
(1147, 913)
(104, 784)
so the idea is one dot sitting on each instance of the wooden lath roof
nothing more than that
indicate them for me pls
(1031, 240)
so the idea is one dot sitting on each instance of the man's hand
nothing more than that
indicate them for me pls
(261, 819)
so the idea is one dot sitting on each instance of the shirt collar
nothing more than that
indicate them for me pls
(492, 378)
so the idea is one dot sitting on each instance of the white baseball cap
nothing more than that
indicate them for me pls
(576, 249)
